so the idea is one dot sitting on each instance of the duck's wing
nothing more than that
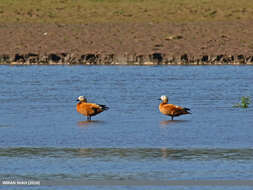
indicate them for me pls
(187, 109)
(176, 110)
(94, 109)
(104, 107)
(167, 109)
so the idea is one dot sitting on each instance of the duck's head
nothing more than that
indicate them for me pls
(81, 99)
(164, 99)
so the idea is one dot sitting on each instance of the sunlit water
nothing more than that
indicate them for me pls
(42, 137)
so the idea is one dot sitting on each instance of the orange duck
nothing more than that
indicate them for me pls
(170, 109)
(89, 109)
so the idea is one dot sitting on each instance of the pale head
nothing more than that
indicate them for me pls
(81, 99)
(164, 98)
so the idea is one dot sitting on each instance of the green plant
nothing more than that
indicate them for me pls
(245, 101)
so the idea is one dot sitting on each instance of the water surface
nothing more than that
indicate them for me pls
(42, 136)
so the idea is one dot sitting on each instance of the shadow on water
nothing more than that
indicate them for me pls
(171, 122)
(130, 153)
(89, 123)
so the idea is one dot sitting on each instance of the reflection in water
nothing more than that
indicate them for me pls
(4, 126)
(88, 123)
(164, 152)
(169, 122)
(131, 153)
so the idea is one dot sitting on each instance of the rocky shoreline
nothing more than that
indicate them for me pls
(126, 59)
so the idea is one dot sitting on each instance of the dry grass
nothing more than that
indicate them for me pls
(114, 11)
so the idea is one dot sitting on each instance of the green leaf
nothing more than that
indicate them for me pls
(245, 101)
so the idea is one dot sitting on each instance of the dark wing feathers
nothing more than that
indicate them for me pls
(187, 110)
(104, 107)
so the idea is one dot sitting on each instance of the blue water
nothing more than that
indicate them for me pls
(42, 137)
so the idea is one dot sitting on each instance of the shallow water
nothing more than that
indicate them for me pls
(42, 137)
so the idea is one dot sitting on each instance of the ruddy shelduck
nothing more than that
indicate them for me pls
(170, 109)
(89, 109)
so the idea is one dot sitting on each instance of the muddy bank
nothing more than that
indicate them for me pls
(97, 59)
(128, 43)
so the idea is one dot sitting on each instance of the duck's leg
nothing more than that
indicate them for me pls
(171, 118)
(88, 118)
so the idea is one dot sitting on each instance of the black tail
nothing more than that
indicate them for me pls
(104, 107)
(187, 110)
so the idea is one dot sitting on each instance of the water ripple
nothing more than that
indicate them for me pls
(130, 153)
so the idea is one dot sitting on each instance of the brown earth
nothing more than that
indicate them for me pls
(128, 43)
